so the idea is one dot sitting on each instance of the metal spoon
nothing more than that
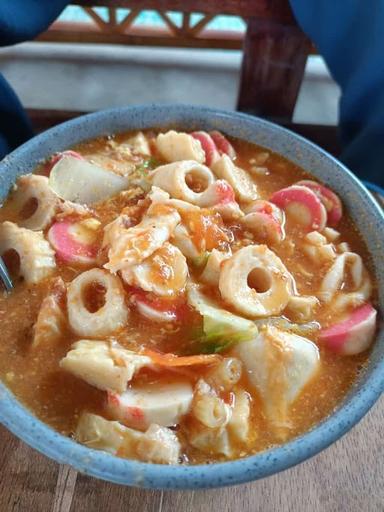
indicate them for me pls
(5, 277)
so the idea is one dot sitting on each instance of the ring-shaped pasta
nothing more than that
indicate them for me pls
(335, 276)
(173, 179)
(110, 317)
(33, 193)
(361, 289)
(225, 374)
(256, 282)
(36, 257)
(208, 408)
(238, 425)
(353, 299)
(241, 182)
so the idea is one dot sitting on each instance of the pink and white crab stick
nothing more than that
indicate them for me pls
(221, 197)
(303, 205)
(209, 147)
(224, 147)
(219, 192)
(157, 309)
(328, 198)
(73, 242)
(264, 219)
(352, 335)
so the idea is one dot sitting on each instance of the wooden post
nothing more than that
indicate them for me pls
(274, 58)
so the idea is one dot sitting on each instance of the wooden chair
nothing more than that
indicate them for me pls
(275, 50)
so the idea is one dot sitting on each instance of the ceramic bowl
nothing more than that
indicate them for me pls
(366, 214)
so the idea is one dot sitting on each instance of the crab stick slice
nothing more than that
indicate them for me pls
(223, 145)
(155, 313)
(352, 335)
(163, 404)
(266, 207)
(219, 192)
(223, 191)
(220, 196)
(75, 242)
(329, 199)
(264, 219)
(157, 309)
(302, 205)
(209, 147)
(58, 156)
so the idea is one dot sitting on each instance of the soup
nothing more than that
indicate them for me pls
(181, 298)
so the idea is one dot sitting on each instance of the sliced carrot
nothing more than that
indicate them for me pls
(173, 360)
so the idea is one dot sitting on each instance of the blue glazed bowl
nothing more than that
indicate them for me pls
(366, 214)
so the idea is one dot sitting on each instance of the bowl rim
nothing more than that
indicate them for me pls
(21, 422)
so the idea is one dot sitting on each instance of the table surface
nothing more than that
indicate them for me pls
(348, 476)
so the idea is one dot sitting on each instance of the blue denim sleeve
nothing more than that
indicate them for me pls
(20, 20)
(15, 127)
(349, 35)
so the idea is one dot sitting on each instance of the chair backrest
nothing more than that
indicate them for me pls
(274, 48)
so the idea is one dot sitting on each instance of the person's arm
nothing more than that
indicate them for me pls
(349, 35)
(15, 127)
(22, 20)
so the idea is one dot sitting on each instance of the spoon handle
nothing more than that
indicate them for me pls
(5, 276)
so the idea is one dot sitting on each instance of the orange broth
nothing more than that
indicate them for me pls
(58, 398)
